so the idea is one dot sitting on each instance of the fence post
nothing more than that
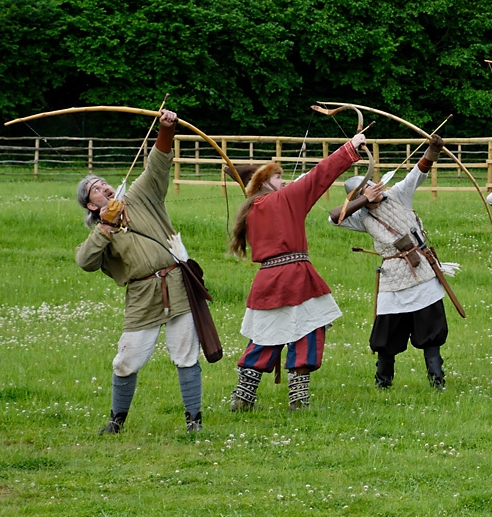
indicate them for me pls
(90, 151)
(326, 149)
(36, 158)
(177, 165)
(375, 155)
(145, 153)
(434, 182)
(197, 158)
(459, 158)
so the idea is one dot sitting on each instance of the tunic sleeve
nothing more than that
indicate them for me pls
(89, 254)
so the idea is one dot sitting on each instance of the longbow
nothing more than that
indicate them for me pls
(422, 133)
(136, 111)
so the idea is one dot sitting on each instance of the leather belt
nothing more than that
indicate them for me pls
(404, 255)
(162, 273)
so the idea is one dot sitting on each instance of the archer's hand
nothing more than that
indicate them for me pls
(373, 193)
(436, 143)
(359, 139)
(168, 118)
(112, 211)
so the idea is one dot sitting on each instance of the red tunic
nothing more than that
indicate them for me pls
(276, 225)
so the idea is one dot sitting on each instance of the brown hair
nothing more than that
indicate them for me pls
(254, 189)
(238, 239)
(261, 175)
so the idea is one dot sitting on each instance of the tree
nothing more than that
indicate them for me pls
(241, 67)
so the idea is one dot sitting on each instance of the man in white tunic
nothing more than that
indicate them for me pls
(409, 301)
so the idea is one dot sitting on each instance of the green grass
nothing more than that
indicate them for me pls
(408, 451)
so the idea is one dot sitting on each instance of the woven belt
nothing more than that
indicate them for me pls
(162, 273)
(286, 258)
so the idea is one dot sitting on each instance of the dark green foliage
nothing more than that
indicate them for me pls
(30, 64)
(241, 67)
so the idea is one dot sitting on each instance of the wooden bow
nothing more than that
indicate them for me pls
(137, 111)
(360, 125)
(422, 133)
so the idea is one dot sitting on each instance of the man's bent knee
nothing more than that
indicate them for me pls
(121, 367)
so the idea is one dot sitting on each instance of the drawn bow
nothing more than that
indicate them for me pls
(137, 111)
(422, 133)
(370, 169)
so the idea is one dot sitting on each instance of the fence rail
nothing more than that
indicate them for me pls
(196, 162)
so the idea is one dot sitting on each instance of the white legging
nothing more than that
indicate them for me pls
(136, 348)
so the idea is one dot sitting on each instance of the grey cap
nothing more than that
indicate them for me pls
(353, 182)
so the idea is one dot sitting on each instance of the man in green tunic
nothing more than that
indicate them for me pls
(129, 243)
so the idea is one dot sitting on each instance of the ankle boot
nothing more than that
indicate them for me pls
(193, 424)
(433, 363)
(243, 397)
(298, 389)
(385, 371)
(115, 424)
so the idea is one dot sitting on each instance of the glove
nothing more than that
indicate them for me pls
(359, 139)
(435, 145)
(114, 210)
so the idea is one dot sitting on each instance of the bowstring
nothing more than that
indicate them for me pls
(340, 127)
(146, 138)
(345, 135)
(43, 139)
(303, 146)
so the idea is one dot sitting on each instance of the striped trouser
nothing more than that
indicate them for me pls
(306, 352)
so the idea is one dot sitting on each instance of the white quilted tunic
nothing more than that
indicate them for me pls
(399, 290)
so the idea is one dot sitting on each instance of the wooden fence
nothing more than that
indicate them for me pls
(196, 162)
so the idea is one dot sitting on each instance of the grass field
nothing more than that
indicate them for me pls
(408, 451)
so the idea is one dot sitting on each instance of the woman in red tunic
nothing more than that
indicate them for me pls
(289, 303)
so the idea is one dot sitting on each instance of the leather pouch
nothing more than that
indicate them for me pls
(405, 243)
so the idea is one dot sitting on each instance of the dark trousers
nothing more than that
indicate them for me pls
(426, 329)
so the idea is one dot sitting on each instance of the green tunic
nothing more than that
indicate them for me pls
(129, 256)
